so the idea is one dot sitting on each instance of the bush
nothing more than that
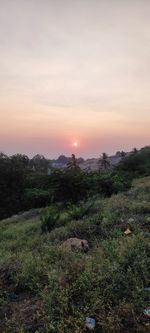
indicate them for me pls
(107, 184)
(78, 212)
(68, 186)
(49, 219)
(35, 198)
(135, 164)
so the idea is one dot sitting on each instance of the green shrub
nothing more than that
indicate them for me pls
(78, 212)
(49, 219)
(35, 198)
(135, 164)
(87, 228)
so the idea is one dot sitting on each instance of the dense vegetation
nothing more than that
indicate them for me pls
(46, 288)
(25, 183)
(23, 187)
(136, 164)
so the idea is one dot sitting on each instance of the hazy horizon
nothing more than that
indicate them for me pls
(74, 71)
(56, 156)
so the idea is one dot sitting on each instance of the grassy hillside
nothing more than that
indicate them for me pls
(45, 288)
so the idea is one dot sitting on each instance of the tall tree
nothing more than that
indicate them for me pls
(73, 164)
(12, 183)
(104, 162)
(20, 161)
(39, 163)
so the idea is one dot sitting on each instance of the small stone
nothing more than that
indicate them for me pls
(75, 244)
(131, 220)
(127, 232)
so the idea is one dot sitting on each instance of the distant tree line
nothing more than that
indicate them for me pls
(25, 183)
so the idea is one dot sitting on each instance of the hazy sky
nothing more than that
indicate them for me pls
(74, 70)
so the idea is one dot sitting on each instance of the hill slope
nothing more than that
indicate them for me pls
(45, 288)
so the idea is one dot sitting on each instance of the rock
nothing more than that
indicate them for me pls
(131, 220)
(127, 232)
(76, 244)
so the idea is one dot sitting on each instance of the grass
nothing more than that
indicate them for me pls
(45, 288)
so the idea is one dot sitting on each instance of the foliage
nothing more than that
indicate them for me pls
(135, 164)
(12, 181)
(108, 289)
(54, 289)
(73, 164)
(77, 212)
(108, 183)
(104, 162)
(39, 163)
(25, 184)
(68, 186)
(35, 198)
(49, 219)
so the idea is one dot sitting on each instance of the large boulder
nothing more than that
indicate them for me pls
(76, 244)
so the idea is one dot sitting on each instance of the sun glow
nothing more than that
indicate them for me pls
(75, 144)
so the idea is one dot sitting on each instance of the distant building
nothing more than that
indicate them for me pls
(58, 165)
(91, 164)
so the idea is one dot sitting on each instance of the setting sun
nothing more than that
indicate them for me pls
(75, 144)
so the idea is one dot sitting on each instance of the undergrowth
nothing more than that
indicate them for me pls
(45, 288)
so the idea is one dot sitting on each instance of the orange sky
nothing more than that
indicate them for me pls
(74, 71)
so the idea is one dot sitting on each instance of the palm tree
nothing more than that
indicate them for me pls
(73, 164)
(104, 162)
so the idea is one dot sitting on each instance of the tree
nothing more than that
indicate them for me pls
(104, 162)
(73, 164)
(135, 150)
(3, 156)
(123, 154)
(20, 161)
(135, 164)
(12, 183)
(39, 163)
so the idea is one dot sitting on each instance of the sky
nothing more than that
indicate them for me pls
(74, 71)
